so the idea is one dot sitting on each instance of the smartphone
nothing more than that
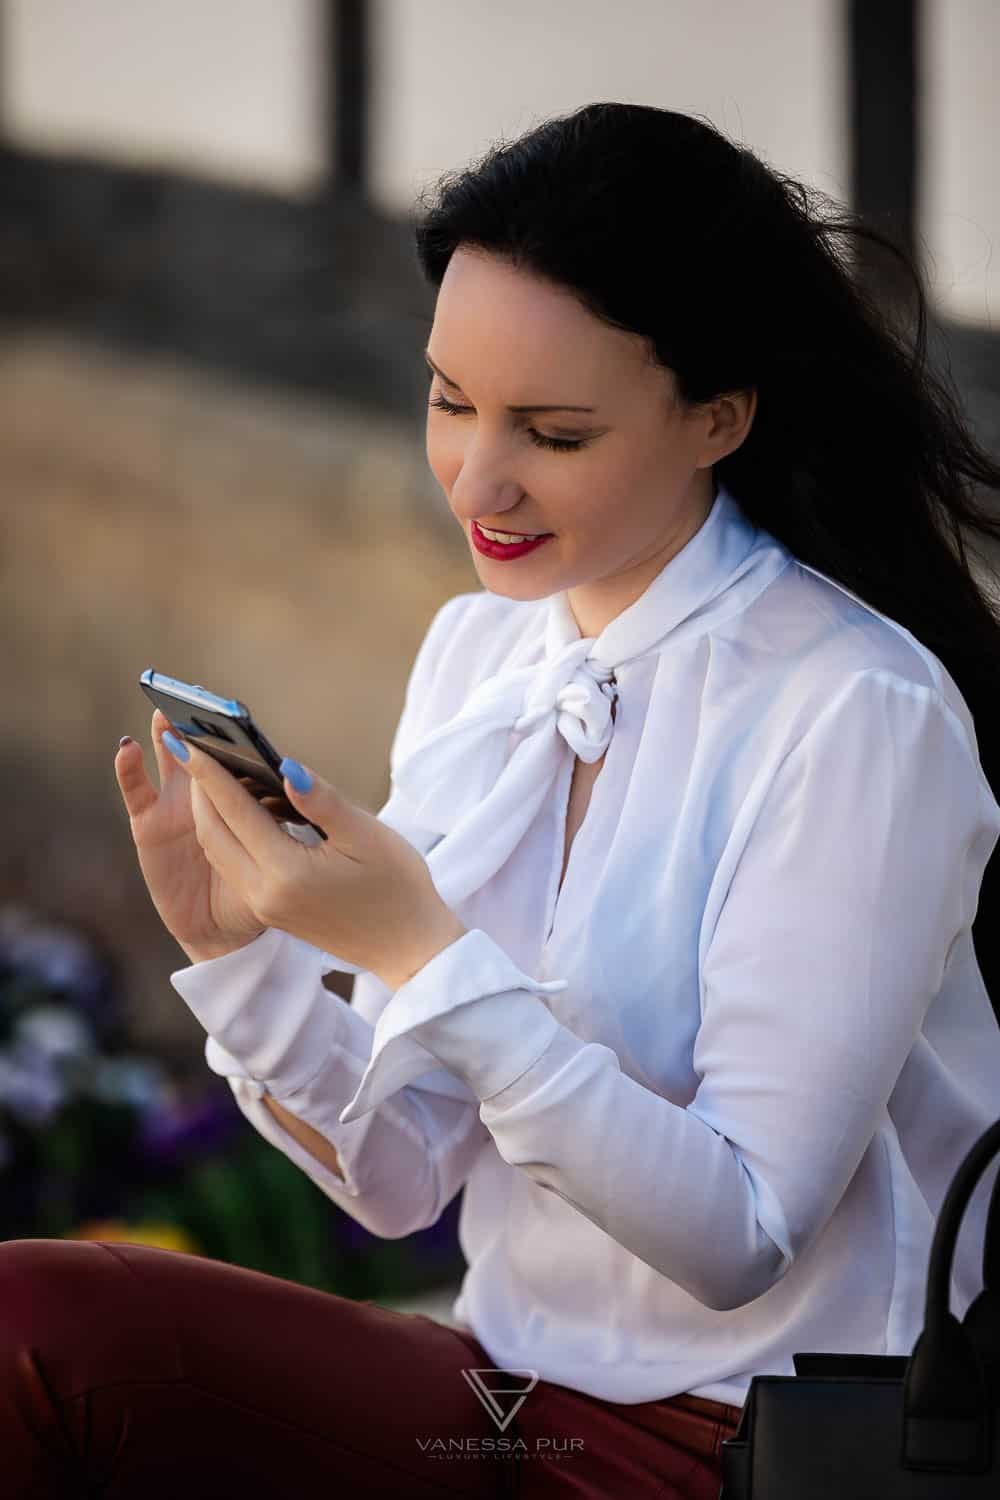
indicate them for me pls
(225, 730)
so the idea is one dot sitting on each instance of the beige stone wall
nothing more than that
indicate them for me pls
(284, 550)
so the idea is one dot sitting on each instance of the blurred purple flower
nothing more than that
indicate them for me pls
(56, 956)
(55, 1035)
(129, 1079)
(48, 1045)
(180, 1128)
(30, 1087)
(52, 957)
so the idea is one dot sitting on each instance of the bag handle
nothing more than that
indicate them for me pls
(946, 1393)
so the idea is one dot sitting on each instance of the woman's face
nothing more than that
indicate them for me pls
(621, 485)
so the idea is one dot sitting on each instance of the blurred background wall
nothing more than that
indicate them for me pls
(211, 386)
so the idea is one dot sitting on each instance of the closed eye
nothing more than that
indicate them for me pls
(558, 445)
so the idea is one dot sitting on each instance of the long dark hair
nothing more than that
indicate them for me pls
(858, 458)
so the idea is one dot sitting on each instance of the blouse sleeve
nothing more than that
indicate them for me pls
(861, 870)
(274, 1028)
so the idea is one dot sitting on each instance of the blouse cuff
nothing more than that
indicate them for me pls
(431, 1021)
(267, 1012)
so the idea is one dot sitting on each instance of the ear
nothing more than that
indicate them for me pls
(730, 421)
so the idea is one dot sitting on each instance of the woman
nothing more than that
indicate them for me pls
(673, 940)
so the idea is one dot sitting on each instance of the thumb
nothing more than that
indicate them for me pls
(321, 803)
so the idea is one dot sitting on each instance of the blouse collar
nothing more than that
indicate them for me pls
(465, 797)
(708, 564)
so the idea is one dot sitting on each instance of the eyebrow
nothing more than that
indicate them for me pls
(455, 386)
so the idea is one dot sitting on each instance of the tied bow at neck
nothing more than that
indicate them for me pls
(458, 784)
(465, 796)
(583, 694)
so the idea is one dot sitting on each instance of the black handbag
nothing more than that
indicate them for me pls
(923, 1426)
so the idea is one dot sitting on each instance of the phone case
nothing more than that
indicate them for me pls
(224, 728)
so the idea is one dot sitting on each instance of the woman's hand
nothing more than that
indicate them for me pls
(206, 916)
(365, 894)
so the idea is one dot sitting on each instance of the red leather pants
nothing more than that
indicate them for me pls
(132, 1371)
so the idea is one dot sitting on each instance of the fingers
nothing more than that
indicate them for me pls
(243, 815)
(165, 762)
(138, 792)
(130, 772)
(279, 807)
(258, 789)
(223, 849)
(281, 810)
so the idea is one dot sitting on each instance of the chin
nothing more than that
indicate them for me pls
(524, 594)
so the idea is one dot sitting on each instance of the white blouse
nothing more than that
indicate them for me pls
(705, 1101)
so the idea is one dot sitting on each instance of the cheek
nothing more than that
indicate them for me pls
(621, 499)
(611, 485)
(642, 473)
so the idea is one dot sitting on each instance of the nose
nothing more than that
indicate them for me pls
(478, 497)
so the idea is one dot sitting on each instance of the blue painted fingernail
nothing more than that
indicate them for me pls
(297, 775)
(176, 747)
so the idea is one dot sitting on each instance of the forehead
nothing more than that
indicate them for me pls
(495, 319)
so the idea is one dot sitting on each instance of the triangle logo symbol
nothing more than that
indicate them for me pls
(497, 1396)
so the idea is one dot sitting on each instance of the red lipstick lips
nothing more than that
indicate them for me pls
(505, 551)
